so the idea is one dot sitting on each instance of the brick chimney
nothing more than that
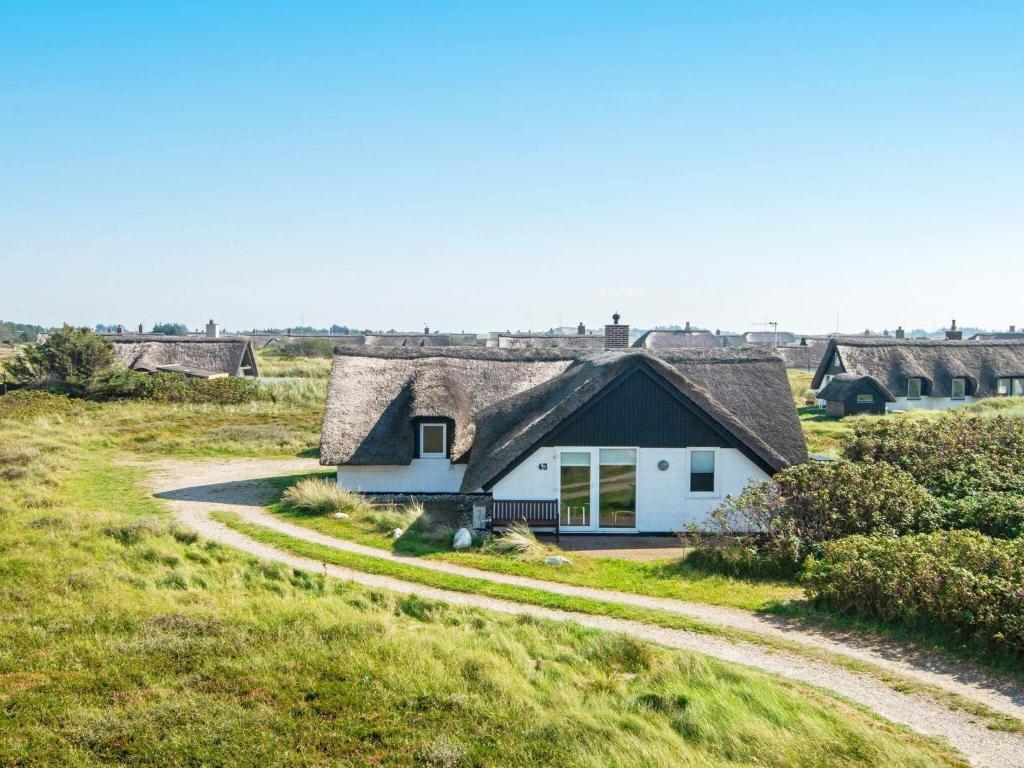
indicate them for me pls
(953, 334)
(1013, 329)
(900, 333)
(616, 336)
(141, 330)
(581, 330)
(212, 330)
(426, 330)
(687, 328)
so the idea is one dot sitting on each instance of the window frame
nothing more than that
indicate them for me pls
(920, 387)
(963, 388)
(1002, 381)
(865, 398)
(716, 490)
(423, 454)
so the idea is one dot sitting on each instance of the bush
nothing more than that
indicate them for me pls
(952, 455)
(962, 584)
(311, 347)
(68, 361)
(993, 513)
(829, 500)
(165, 387)
(780, 521)
(29, 404)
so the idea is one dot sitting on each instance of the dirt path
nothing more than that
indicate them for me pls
(194, 489)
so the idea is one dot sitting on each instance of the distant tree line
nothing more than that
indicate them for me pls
(171, 329)
(19, 331)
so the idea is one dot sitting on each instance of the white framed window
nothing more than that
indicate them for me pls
(959, 391)
(914, 389)
(702, 479)
(1010, 386)
(866, 397)
(433, 441)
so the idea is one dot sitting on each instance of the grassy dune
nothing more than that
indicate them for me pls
(127, 641)
(428, 533)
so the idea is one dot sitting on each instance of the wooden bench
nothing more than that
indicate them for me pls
(536, 514)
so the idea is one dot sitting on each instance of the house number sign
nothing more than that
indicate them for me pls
(543, 465)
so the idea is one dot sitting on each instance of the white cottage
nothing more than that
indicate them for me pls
(617, 441)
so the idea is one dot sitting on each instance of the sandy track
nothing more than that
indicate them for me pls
(194, 489)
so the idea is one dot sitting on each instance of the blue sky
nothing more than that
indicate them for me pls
(489, 166)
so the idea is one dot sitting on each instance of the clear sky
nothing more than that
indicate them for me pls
(512, 165)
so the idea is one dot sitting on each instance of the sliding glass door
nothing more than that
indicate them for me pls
(574, 504)
(597, 488)
(617, 500)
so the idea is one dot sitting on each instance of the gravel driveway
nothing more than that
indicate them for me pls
(194, 489)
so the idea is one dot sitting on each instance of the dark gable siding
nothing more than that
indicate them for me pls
(639, 410)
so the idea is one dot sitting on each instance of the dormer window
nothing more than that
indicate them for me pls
(914, 388)
(433, 441)
(959, 391)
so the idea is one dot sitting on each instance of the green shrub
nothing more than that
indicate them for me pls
(993, 513)
(165, 387)
(952, 455)
(29, 404)
(773, 525)
(68, 361)
(311, 347)
(826, 501)
(958, 583)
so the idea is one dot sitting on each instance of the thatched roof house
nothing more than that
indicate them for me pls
(407, 340)
(680, 339)
(202, 357)
(936, 373)
(549, 341)
(501, 420)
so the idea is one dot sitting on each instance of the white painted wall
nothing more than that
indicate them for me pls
(663, 501)
(420, 476)
(928, 404)
(528, 482)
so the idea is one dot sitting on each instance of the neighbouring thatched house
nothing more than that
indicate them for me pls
(618, 440)
(848, 394)
(922, 373)
(202, 357)
(804, 355)
(686, 338)
(407, 340)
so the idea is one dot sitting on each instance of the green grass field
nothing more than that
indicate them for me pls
(127, 641)
(429, 535)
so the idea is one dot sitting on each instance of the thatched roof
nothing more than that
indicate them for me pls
(407, 340)
(803, 356)
(504, 401)
(844, 385)
(679, 340)
(549, 341)
(938, 361)
(150, 353)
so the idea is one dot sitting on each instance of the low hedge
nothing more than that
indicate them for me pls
(961, 584)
